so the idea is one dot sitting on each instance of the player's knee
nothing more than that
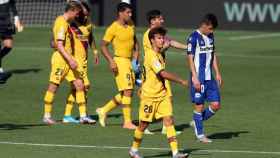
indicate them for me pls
(127, 93)
(198, 108)
(215, 106)
(52, 87)
(8, 43)
(126, 100)
(143, 125)
(168, 121)
(79, 85)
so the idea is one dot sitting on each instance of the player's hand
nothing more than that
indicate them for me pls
(73, 64)
(166, 44)
(114, 67)
(19, 26)
(184, 83)
(197, 84)
(219, 79)
(96, 58)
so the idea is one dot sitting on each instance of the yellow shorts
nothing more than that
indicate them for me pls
(84, 74)
(125, 77)
(168, 88)
(60, 70)
(153, 110)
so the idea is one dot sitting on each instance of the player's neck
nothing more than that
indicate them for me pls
(121, 22)
(201, 30)
(66, 16)
(156, 49)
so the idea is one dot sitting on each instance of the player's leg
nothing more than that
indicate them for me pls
(109, 106)
(138, 136)
(48, 99)
(71, 98)
(5, 49)
(126, 102)
(81, 101)
(171, 136)
(213, 96)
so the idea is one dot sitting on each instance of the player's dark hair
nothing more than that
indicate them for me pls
(210, 19)
(85, 4)
(122, 6)
(152, 14)
(157, 30)
(73, 5)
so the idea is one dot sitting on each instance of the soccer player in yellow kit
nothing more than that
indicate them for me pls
(63, 63)
(121, 34)
(82, 34)
(156, 19)
(155, 101)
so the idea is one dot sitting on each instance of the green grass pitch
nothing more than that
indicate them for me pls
(246, 126)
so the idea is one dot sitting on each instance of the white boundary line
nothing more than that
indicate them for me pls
(143, 148)
(257, 36)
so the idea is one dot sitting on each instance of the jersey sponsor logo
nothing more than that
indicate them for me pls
(211, 48)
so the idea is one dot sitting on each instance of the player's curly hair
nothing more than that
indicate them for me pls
(157, 30)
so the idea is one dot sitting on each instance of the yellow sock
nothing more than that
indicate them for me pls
(112, 104)
(137, 139)
(171, 135)
(70, 102)
(81, 101)
(49, 96)
(126, 101)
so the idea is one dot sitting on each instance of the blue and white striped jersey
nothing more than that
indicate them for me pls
(202, 47)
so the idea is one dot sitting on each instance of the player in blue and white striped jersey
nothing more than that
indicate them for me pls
(204, 86)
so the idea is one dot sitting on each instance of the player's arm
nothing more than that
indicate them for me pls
(18, 24)
(108, 37)
(136, 56)
(172, 77)
(178, 45)
(72, 62)
(158, 68)
(106, 53)
(195, 79)
(191, 48)
(94, 48)
(217, 69)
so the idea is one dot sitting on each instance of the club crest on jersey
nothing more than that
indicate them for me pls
(157, 64)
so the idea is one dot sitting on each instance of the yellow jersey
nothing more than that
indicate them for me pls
(146, 42)
(81, 38)
(147, 46)
(122, 39)
(61, 32)
(153, 87)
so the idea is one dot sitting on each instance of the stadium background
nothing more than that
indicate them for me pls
(232, 14)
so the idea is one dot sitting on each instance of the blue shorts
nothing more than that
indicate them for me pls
(209, 92)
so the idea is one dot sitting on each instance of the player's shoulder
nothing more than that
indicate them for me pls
(147, 32)
(193, 36)
(60, 20)
(211, 35)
